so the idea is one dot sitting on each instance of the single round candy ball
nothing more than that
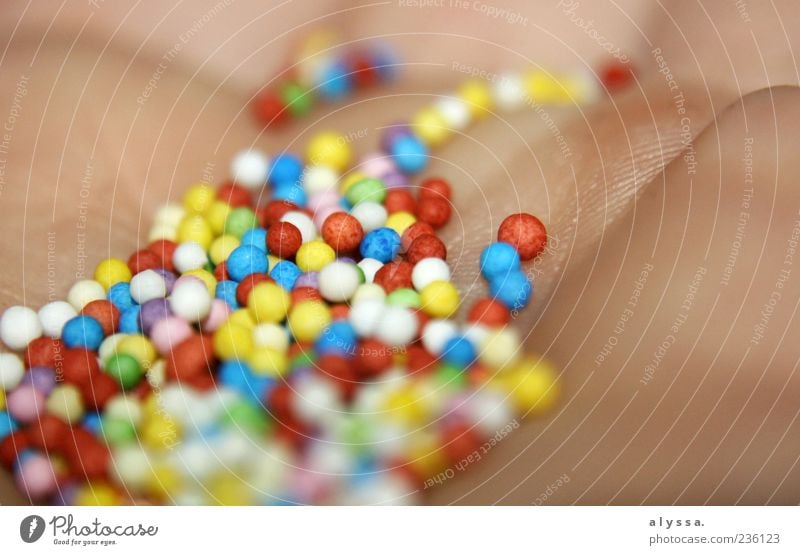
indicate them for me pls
(240, 221)
(434, 210)
(268, 302)
(435, 187)
(111, 271)
(189, 256)
(283, 239)
(319, 179)
(105, 313)
(394, 275)
(366, 189)
(343, 232)
(382, 244)
(454, 112)
(489, 312)
(285, 168)
(329, 149)
(84, 332)
(397, 326)
(249, 169)
(25, 404)
(314, 255)
(54, 315)
(498, 259)
(66, 403)
(459, 351)
(364, 316)
(512, 289)
(307, 320)
(436, 334)
(409, 153)
(19, 326)
(428, 270)
(124, 369)
(11, 371)
(370, 215)
(439, 299)
(190, 300)
(524, 232)
(244, 261)
(426, 246)
(338, 281)
(36, 477)
(148, 285)
(83, 292)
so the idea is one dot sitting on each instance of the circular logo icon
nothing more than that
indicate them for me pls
(31, 528)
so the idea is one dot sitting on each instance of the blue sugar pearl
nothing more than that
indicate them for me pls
(409, 153)
(129, 320)
(459, 351)
(335, 82)
(82, 331)
(7, 424)
(285, 274)
(120, 296)
(256, 237)
(93, 423)
(238, 376)
(512, 289)
(226, 291)
(286, 168)
(244, 261)
(290, 191)
(498, 259)
(382, 244)
(339, 338)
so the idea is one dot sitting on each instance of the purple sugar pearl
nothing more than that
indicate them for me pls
(309, 279)
(153, 311)
(169, 278)
(41, 378)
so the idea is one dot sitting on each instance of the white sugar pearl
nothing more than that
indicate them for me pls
(500, 347)
(586, 86)
(368, 291)
(162, 231)
(148, 285)
(249, 169)
(370, 267)
(316, 399)
(132, 467)
(330, 459)
(301, 220)
(454, 111)
(370, 215)
(397, 326)
(488, 410)
(189, 256)
(509, 92)
(53, 316)
(170, 214)
(190, 300)
(19, 326)
(476, 333)
(272, 336)
(11, 371)
(197, 458)
(319, 179)
(338, 281)
(388, 440)
(436, 333)
(382, 489)
(124, 407)
(85, 291)
(365, 315)
(427, 270)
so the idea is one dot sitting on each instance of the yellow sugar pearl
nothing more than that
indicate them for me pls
(96, 494)
(242, 317)
(404, 406)
(477, 97)
(272, 336)
(160, 431)
(140, 348)
(429, 125)
(66, 402)
(400, 221)
(111, 271)
(268, 302)
(439, 299)
(228, 490)
(195, 228)
(233, 341)
(329, 149)
(425, 454)
(314, 256)
(164, 481)
(307, 319)
(544, 88)
(500, 348)
(199, 198)
(349, 180)
(222, 247)
(217, 215)
(162, 231)
(2, 399)
(206, 277)
(268, 362)
(533, 385)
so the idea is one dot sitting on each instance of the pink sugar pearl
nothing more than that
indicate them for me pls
(322, 214)
(25, 403)
(377, 165)
(36, 477)
(325, 198)
(217, 316)
(169, 332)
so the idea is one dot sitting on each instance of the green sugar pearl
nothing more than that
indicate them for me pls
(246, 416)
(125, 369)
(240, 221)
(117, 431)
(368, 188)
(297, 99)
(404, 297)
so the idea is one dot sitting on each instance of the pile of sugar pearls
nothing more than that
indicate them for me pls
(303, 350)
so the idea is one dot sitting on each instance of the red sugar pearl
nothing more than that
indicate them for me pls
(104, 312)
(247, 284)
(435, 187)
(489, 312)
(525, 233)
(279, 401)
(11, 446)
(364, 73)
(300, 294)
(418, 359)
(373, 358)
(426, 246)
(422, 320)
(434, 210)
(270, 109)
(43, 351)
(49, 433)
(283, 239)
(293, 432)
(400, 200)
(78, 366)
(221, 271)
(394, 275)
(99, 390)
(274, 210)
(459, 441)
(234, 195)
(164, 248)
(339, 312)
(86, 456)
(144, 260)
(191, 358)
(341, 372)
(616, 75)
(342, 232)
(415, 230)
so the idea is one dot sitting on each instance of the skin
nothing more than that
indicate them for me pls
(715, 423)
